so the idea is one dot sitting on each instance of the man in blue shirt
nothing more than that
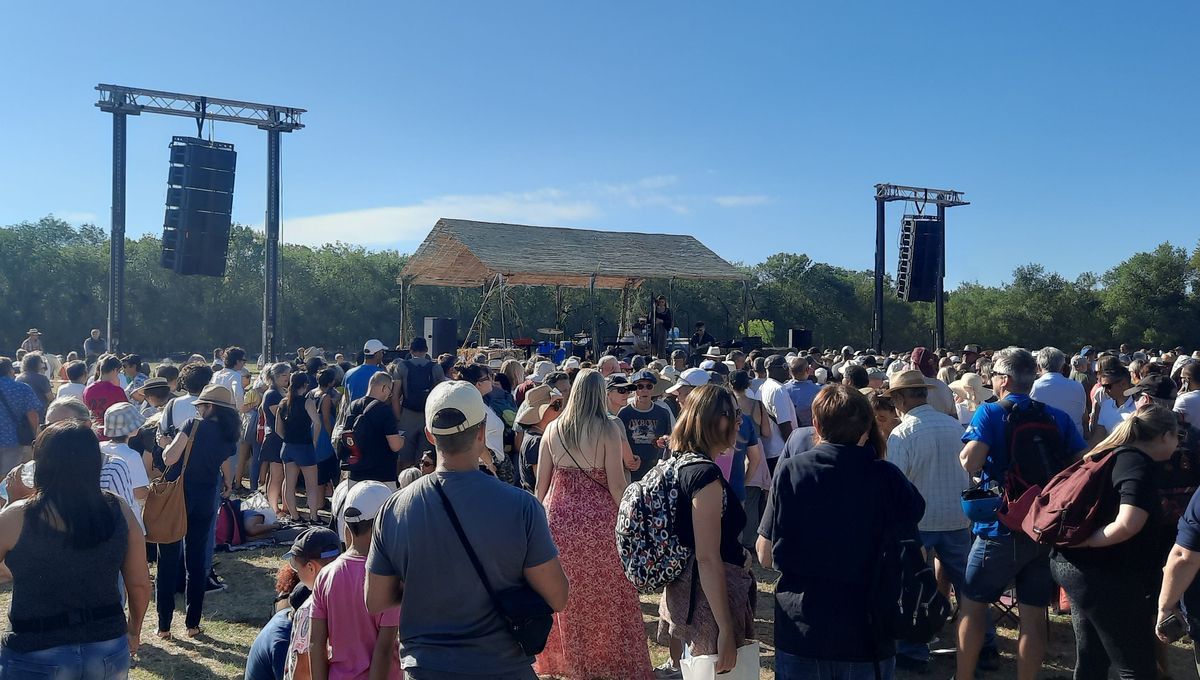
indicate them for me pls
(17, 402)
(998, 557)
(801, 390)
(358, 378)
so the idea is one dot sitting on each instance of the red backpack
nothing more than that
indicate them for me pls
(1073, 505)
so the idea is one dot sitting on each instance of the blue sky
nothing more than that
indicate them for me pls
(756, 127)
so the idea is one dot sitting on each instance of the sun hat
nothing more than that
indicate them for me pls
(217, 395)
(315, 543)
(535, 404)
(669, 373)
(970, 387)
(453, 406)
(122, 419)
(540, 370)
(372, 346)
(33, 331)
(364, 501)
(907, 380)
(714, 352)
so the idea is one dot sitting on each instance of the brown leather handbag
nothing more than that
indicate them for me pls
(165, 514)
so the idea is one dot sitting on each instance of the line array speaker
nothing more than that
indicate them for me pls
(199, 206)
(920, 258)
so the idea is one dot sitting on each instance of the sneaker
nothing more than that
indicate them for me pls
(214, 585)
(668, 672)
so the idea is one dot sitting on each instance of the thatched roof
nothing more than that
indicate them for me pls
(467, 253)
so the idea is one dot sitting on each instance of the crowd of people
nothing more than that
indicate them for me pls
(454, 516)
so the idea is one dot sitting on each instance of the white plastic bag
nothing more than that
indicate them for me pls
(705, 667)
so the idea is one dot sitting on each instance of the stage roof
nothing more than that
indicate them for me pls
(466, 253)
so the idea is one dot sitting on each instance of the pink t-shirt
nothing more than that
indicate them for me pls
(338, 600)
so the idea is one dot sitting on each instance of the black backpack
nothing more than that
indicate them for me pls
(418, 383)
(1037, 449)
(344, 438)
(922, 609)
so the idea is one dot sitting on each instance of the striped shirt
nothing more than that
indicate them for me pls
(115, 478)
(925, 446)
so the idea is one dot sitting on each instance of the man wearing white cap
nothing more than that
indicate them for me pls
(359, 377)
(419, 560)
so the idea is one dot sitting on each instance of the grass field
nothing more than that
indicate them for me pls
(233, 617)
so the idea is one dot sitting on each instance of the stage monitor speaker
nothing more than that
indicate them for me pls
(800, 338)
(442, 335)
(920, 256)
(199, 206)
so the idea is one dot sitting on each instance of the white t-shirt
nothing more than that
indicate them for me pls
(231, 380)
(779, 405)
(137, 469)
(71, 390)
(1064, 394)
(494, 436)
(1188, 404)
(178, 411)
(1111, 415)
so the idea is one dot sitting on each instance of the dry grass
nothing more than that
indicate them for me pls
(232, 619)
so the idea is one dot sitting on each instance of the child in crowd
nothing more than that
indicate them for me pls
(312, 551)
(355, 640)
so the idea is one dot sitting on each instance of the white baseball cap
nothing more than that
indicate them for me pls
(540, 371)
(571, 362)
(454, 406)
(364, 501)
(692, 377)
(372, 346)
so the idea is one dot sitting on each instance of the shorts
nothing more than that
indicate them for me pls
(996, 562)
(272, 447)
(303, 455)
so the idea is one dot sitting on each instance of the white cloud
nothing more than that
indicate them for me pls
(646, 193)
(410, 223)
(78, 217)
(740, 201)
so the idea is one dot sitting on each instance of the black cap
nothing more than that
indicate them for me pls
(1157, 386)
(615, 381)
(777, 361)
(315, 543)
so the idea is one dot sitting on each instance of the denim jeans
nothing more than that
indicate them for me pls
(952, 549)
(108, 660)
(195, 550)
(792, 667)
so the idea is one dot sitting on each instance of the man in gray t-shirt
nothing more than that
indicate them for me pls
(645, 424)
(449, 626)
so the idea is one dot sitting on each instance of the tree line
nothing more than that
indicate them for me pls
(54, 276)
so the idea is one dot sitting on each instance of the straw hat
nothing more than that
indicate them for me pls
(217, 395)
(537, 400)
(970, 388)
(907, 380)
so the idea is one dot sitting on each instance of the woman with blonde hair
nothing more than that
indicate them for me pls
(1112, 578)
(716, 615)
(580, 479)
(514, 371)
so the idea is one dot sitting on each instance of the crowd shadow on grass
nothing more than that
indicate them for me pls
(171, 661)
(208, 648)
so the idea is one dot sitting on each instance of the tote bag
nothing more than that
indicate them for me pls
(165, 514)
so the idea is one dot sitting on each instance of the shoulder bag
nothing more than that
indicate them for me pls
(527, 615)
(165, 513)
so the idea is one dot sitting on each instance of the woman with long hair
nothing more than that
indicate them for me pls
(1112, 579)
(322, 408)
(207, 469)
(716, 615)
(580, 479)
(278, 377)
(299, 455)
(515, 372)
(66, 545)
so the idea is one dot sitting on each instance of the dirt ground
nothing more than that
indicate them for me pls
(232, 619)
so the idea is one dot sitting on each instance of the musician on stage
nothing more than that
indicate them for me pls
(662, 325)
(701, 340)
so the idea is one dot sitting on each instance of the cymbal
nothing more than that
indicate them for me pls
(550, 331)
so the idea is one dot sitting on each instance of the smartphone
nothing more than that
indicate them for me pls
(1173, 628)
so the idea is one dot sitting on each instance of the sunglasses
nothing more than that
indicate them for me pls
(620, 390)
(556, 405)
(425, 462)
(644, 386)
